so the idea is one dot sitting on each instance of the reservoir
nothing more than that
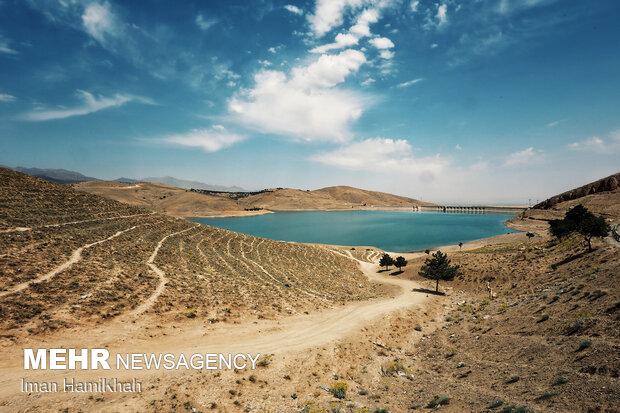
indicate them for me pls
(394, 231)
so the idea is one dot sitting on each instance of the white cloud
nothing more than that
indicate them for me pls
(510, 6)
(524, 157)
(90, 104)
(99, 21)
(458, 147)
(368, 81)
(382, 155)
(328, 70)
(409, 83)
(304, 105)
(209, 140)
(382, 43)
(5, 97)
(328, 14)
(386, 54)
(414, 5)
(294, 9)
(204, 23)
(341, 41)
(596, 144)
(442, 15)
(359, 30)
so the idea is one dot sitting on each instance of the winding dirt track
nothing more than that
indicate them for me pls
(163, 280)
(75, 257)
(293, 334)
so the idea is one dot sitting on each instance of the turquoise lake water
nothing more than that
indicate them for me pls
(390, 231)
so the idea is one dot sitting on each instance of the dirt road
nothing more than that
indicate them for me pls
(293, 334)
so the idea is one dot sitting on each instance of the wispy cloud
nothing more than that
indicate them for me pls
(409, 83)
(524, 157)
(609, 144)
(5, 97)
(5, 47)
(555, 123)
(382, 155)
(294, 9)
(100, 22)
(359, 30)
(442, 15)
(90, 104)
(209, 140)
(204, 23)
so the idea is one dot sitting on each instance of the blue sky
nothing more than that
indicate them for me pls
(444, 100)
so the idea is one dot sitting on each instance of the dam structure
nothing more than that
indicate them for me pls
(469, 209)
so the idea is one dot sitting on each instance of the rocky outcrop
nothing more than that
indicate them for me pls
(611, 183)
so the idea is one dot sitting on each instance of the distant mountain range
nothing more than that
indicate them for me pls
(61, 176)
(185, 184)
(64, 176)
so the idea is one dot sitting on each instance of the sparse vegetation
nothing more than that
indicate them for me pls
(339, 389)
(438, 401)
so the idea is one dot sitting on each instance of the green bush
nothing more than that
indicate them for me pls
(338, 389)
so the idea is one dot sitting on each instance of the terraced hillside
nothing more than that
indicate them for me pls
(71, 258)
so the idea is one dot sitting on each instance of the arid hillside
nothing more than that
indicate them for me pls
(601, 196)
(181, 202)
(162, 198)
(70, 258)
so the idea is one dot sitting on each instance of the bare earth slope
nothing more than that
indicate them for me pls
(598, 196)
(180, 202)
(69, 258)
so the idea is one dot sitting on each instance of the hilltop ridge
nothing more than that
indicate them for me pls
(196, 202)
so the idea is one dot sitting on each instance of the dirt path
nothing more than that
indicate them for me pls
(163, 280)
(292, 334)
(75, 257)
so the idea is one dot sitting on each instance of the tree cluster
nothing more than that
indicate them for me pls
(386, 260)
(581, 221)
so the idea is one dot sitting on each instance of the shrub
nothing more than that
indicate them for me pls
(339, 389)
(584, 344)
(438, 401)
(392, 368)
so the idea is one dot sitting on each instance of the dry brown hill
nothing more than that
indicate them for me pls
(601, 196)
(162, 198)
(180, 202)
(71, 258)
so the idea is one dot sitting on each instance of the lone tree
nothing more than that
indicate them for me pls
(386, 261)
(400, 262)
(530, 235)
(460, 245)
(437, 267)
(578, 219)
